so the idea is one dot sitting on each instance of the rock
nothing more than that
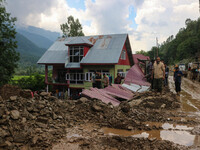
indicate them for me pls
(151, 103)
(135, 102)
(13, 98)
(83, 99)
(42, 120)
(43, 94)
(1, 99)
(35, 139)
(163, 106)
(3, 133)
(23, 120)
(96, 108)
(130, 128)
(15, 114)
(20, 138)
(125, 107)
(8, 143)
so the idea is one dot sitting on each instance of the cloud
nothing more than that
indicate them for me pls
(154, 18)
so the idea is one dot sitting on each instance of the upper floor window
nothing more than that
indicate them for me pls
(75, 53)
(123, 55)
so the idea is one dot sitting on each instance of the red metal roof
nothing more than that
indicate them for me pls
(139, 56)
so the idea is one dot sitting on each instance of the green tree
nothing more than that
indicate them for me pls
(8, 55)
(72, 27)
(142, 52)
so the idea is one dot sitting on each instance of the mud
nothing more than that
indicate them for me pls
(148, 121)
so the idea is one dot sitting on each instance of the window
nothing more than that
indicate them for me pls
(123, 55)
(75, 53)
(88, 76)
(75, 77)
(121, 72)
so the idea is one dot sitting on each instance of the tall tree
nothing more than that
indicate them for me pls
(8, 55)
(72, 27)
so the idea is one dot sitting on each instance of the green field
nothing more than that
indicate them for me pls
(17, 77)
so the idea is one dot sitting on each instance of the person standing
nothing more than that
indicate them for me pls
(118, 79)
(159, 75)
(93, 79)
(177, 79)
(105, 80)
(166, 75)
(98, 80)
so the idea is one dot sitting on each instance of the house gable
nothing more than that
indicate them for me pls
(126, 54)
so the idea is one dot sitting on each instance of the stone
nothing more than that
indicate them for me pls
(13, 98)
(3, 133)
(1, 99)
(163, 106)
(43, 94)
(96, 108)
(42, 120)
(23, 120)
(83, 99)
(8, 143)
(15, 114)
(19, 138)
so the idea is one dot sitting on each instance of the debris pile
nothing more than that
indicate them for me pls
(31, 122)
(40, 121)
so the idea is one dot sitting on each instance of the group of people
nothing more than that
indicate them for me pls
(159, 76)
(99, 82)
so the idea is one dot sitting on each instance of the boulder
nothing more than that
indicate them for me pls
(15, 114)
(13, 98)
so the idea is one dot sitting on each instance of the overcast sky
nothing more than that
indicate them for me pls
(143, 20)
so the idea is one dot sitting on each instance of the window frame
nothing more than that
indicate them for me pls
(76, 52)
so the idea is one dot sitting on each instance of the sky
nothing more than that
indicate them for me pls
(143, 20)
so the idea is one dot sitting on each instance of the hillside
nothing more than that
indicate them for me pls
(29, 52)
(52, 36)
(37, 39)
(184, 45)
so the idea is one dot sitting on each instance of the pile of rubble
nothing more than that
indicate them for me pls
(40, 121)
(31, 122)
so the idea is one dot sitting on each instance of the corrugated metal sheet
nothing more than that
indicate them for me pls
(57, 53)
(79, 40)
(72, 65)
(136, 76)
(139, 56)
(107, 49)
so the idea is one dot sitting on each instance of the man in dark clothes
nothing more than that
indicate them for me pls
(118, 79)
(166, 75)
(177, 79)
(98, 80)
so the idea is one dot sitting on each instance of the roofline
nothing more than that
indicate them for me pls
(98, 63)
(85, 44)
(51, 63)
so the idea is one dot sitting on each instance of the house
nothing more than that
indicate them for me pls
(74, 59)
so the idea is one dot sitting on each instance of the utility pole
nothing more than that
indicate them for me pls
(157, 47)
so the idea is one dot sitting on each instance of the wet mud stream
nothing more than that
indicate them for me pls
(172, 131)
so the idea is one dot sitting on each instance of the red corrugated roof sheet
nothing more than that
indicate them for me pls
(139, 56)
(136, 76)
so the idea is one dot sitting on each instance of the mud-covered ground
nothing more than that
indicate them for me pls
(148, 121)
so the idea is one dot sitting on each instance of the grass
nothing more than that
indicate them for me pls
(17, 77)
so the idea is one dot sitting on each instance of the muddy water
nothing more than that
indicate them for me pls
(176, 133)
